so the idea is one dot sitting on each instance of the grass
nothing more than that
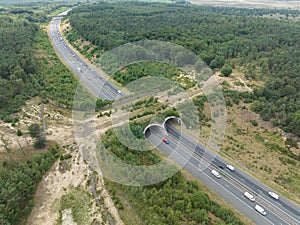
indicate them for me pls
(29, 151)
(80, 202)
(262, 150)
(128, 214)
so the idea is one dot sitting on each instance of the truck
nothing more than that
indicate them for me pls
(249, 196)
(260, 209)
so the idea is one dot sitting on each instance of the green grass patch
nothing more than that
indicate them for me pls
(80, 202)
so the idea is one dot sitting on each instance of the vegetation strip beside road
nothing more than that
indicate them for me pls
(220, 36)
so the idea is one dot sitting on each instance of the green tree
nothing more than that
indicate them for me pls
(35, 130)
(226, 70)
(217, 62)
(40, 142)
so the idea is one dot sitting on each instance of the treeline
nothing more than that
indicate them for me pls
(279, 99)
(56, 82)
(205, 30)
(17, 64)
(266, 49)
(18, 182)
(29, 67)
(174, 201)
(138, 70)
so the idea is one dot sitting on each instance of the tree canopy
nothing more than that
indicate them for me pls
(17, 63)
(263, 48)
(18, 181)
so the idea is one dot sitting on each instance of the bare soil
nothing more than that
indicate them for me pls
(65, 175)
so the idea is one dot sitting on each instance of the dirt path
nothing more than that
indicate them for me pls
(56, 182)
(53, 186)
(245, 85)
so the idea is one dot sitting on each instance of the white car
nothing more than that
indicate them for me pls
(260, 209)
(119, 91)
(216, 173)
(230, 167)
(249, 196)
(273, 195)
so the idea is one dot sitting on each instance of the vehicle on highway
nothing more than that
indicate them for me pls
(119, 91)
(165, 140)
(249, 196)
(216, 173)
(273, 195)
(230, 167)
(260, 209)
(221, 167)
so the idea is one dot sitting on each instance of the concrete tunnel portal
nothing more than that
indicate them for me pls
(162, 127)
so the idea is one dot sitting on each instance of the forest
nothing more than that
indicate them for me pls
(17, 64)
(18, 182)
(265, 49)
(29, 66)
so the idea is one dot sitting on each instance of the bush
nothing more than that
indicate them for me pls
(226, 70)
(35, 130)
(19, 133)
(66, 156)
(40, 142)
(254, 123)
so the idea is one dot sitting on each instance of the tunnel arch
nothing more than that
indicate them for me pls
(178, 120)
(153, 126)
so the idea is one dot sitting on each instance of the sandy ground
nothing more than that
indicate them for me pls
(233, 80)
(56, 183)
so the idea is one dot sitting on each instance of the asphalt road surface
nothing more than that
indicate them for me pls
(95, 82)
(232, 184)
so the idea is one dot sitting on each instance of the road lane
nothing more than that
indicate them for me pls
(283, 207)
(224, 188)
(235, 182)
(95, 82)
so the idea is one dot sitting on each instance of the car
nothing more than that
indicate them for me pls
(249, 196)
(260, 209)
(216, 173)
(273, 195)
(221, 167)
(165, 140)
(230, 167)
(119, 91)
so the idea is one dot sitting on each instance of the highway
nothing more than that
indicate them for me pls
(95, 82)
(232, 184)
